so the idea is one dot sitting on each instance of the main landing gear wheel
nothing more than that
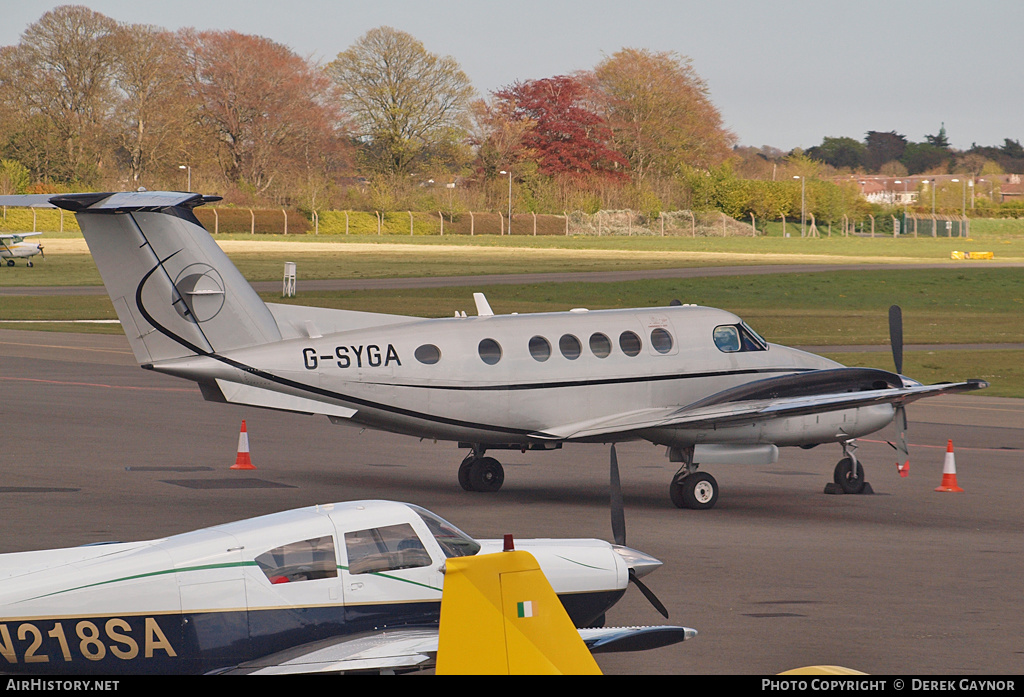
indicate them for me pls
(481, 474)
(849, 476)
(698, 491)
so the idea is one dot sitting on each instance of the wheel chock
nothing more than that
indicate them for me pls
(835, 489)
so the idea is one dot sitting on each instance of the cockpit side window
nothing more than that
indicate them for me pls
(727, 338)
(386, 548)
(306, 560)
(730, 338)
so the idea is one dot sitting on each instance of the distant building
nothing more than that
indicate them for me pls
(903, 191)
(889, 191)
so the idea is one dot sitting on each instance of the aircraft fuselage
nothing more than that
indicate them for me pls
(507, 379)
(218, 597)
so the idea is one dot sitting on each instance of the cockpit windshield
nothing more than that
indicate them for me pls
(453, 542)
(754, 338)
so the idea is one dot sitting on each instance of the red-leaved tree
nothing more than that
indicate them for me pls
(567, 137)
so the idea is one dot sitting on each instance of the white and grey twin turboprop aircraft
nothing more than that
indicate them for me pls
(695, 379)
(342, 587)
(13, 246)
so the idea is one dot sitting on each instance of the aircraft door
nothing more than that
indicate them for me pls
(390, 576)
(661, 338)
(293, 590)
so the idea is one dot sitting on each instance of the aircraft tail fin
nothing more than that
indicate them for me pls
(500, 616)
(175, 291)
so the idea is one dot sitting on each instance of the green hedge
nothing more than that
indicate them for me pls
(394, 223)
(47, 220)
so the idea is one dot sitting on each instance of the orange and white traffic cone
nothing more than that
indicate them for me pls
(949, 472)
(242, 461)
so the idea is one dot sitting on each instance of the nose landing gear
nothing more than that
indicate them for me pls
(849, 475)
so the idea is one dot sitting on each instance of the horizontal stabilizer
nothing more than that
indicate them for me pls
(107, 201)
(27, 201)
(620, 639)
(258, 397)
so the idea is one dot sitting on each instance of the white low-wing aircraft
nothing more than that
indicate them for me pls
(695, 379)
(13, 246)
(341, 587)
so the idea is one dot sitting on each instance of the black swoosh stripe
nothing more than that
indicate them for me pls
(600, 381)
(409, 412)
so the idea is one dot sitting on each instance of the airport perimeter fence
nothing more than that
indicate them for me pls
(602, 223)
(278, 221)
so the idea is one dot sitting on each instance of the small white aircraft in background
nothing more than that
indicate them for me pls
(341, 587)
(13, 246)
(695, 379)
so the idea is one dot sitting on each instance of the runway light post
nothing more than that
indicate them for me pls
(509, 173)
(803, 209)
(934, 184)
(189, 169)
(963, 184)
(905, 196)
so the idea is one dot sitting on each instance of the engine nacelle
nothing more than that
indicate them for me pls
(810, 429)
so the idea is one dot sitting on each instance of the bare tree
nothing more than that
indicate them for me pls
(497, 134)
(61, 72)
(155, 116)
(264, 103)
(407, 103)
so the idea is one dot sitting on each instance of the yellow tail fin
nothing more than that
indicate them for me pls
(500, 616)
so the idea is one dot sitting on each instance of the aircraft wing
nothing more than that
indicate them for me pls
(730, 408)
(393, 650)
(19, 235)
(415, 648)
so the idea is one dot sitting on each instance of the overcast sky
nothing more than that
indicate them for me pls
(783, 73)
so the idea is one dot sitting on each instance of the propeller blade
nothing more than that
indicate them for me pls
(649, 594)
(618, 516)
(896, 336)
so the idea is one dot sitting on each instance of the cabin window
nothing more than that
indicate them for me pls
(428, 354)
(540, 348)
(307, 560)
(453, 542)
(490, 351)
(387, 548)
(630, 343)
(600, 345)
(661, 340)
(570, 347)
